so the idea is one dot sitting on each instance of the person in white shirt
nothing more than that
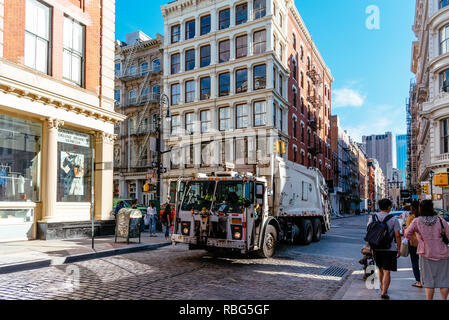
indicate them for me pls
(151, 213)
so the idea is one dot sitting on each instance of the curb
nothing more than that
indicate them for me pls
(25, 266)
(350, 216)
(342, 291)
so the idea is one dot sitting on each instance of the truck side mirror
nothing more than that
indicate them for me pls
(246, 203)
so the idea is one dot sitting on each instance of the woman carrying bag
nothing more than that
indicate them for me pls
(432, 233)
(413, 245)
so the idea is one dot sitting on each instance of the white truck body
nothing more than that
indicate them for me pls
(239, 211)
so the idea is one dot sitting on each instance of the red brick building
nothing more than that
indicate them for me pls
(309, 94)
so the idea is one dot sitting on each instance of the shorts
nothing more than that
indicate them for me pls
(386, 260)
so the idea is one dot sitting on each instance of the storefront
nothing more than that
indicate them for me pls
(20, 177)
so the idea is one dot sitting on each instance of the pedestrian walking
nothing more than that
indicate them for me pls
(151, 219)
(134, 204)
(118, 207)
(166, 218)
(413, 244)
(432, 234)
(387, 251)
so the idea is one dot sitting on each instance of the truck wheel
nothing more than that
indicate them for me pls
(306, 231)
(269, 242)
(316, 230)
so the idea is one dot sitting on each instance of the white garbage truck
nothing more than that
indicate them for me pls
(231, 210)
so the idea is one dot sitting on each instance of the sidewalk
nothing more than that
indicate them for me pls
(400, 287)
(26, 255)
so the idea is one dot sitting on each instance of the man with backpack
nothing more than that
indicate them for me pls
(384, 238)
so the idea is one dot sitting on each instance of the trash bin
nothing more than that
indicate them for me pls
(128, 224)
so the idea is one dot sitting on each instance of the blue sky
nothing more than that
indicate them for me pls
(371, 67)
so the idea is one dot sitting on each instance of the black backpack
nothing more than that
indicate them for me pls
(378, 235)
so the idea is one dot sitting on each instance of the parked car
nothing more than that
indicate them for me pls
(443, 213)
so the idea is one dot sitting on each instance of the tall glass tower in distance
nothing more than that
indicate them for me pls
(401, 153)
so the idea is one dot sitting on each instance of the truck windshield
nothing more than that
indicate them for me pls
(229, 197)
(198, 195)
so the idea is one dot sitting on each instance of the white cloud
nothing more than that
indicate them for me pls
(347, 97)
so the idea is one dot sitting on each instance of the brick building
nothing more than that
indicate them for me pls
(56, 117)
(309, 94)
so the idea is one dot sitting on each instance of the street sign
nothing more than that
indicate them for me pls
(415, 197)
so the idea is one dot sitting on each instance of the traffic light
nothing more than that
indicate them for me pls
(441, 180)
(425, 188)
(146, 187)
(276, 146)
(283, 145)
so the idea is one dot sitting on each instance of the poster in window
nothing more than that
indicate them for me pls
(72, 165)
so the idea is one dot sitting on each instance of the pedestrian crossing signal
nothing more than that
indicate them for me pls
(441, 180)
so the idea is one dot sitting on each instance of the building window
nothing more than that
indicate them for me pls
(241, 46)
(225, 119)
(294, 41)
(281, 18)
(175, 125)
(144, 68)
(274, 43)
(132, 97)
(190, 121)
(444, 39)
(224, 83)
(175, 33)
(295, 154)
(302, 158)
(295, 121)
(443, 3)
(37, 36)
(20, 158)
(225, 19)
(260, 77)
(280, 119)
(205, 24)
(294, 93)
(156, 65)
(175, 93)
(117, 95)
(302, 80)
(190, 91)
(118, 67)
(260, 113)
(73, 65)
(302, 105)
(302, 132)
(157, 90)
(444, 136)
(295, 69)
(175, 63)
(224, 51)
(190, 59)
(444, 84)
(260, 41)
(205, 88)
(241, 84)
(75, 155)
(259, 9)
(302, 53)
(241, 116)
(281, 85)
(190, 29)
(205, 121)
(241, 13)
(205, 56)
(132, 70)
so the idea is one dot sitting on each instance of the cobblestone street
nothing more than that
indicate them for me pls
(177, 273)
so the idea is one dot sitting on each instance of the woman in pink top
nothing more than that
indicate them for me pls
(433, 251)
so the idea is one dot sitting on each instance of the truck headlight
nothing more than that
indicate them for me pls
(185, 228)
(236, 232)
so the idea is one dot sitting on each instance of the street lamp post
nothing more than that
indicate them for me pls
(163, 100)
(431, 173)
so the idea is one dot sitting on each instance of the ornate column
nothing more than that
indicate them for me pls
(50, 172)
(103, 175)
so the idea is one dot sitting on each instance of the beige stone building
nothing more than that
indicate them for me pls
(56, 118)
(138, 85)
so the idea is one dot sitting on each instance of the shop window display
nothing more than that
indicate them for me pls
(75, 155)
(20, 148)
